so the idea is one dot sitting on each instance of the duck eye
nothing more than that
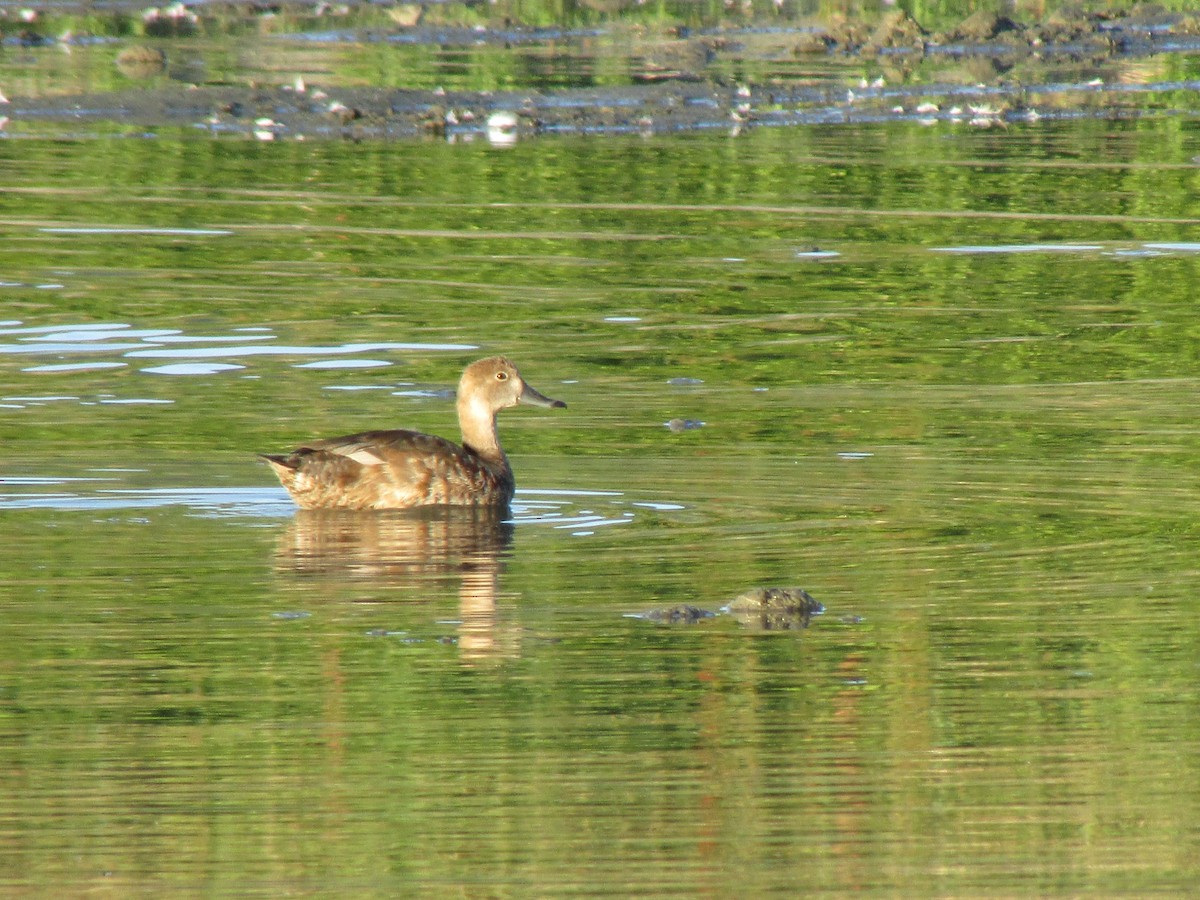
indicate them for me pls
(502, 376)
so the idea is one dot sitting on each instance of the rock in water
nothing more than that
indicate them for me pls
(774, 609)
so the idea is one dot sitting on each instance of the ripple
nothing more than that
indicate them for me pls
(57, 347)
(287, 350)
(343, 364)
(192, 368)
(211, 338)
(78, 335)
(1020, 248)
(135, 401)
(49, 329)
(220, 502)
(575, 511)
(174, 232)
(427, 393)
(76, 367)
(26, 402)
(1184, 246)
(563, 510)
(40, 480)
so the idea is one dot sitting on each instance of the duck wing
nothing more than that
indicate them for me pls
(390, 470)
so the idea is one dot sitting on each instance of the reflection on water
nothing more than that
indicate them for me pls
(407, 550)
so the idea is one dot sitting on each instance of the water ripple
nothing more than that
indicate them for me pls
(579, 512)
(289, 350)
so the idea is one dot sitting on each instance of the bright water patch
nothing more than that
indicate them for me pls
(1020, 248)
(1181, 246)
(222, 502)
(344, 364)
(83, 335)
(196, 352)
(211, 338)
(76, 367)
(11, 327)
(292, 350)
(192, 369)
(136, 401)
(71, 347)
(427, 393)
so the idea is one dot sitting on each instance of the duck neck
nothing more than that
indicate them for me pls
(478, 424)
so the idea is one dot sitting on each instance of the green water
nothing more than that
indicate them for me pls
(982, 463)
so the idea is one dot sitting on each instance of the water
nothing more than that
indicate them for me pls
(941, 378)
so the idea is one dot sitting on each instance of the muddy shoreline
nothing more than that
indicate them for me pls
(985, 71)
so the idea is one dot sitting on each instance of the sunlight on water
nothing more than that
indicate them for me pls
(114, 338)
(75, 367)
(192, 368)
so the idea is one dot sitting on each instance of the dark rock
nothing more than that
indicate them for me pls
(774, 609)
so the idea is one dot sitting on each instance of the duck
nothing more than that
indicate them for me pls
(402, 469)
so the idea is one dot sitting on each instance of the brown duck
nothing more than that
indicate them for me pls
(404, 469)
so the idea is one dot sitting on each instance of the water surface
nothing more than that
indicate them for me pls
(940, 377)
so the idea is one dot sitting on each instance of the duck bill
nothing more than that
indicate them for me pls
(530, 397)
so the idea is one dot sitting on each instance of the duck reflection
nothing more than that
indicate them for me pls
(409, 549)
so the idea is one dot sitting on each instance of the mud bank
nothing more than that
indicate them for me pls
(985, 71)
